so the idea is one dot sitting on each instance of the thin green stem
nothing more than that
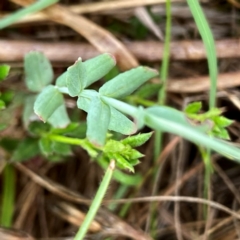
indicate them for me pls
(161, 101)
(96, 202)
(35, 7)
(68, 140)
(163, 76)
(8, 196)
(166, 53)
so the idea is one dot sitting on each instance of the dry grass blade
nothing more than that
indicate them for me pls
(95, 7)
(178, 199)
(53, 187)
(142, 14)
(12, 234)
(72, 215)
(103, 40)
(202, 84)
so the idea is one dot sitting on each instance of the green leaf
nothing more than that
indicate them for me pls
(7, 96)
(73, 129)
(222, 121)
(124, 84)
(98, 121)
(131, 154)
(121, 162)
(59, 118)
(85, 98)
(222, 133)
(61, 148)
(113, 146)
(211, 113)
(148, 90)
(45, 145)
(28, 112)
(38, 128)
(2, 105)
(137, 140)
(9, 144)
(47, 102)
(83, 74)
(38, 71)
(111, 74)
(76, 78)
(98, 67)
(4, 71)
(194, 107)
(134, 162)
(61, 81)
(120, 123)
(27, 149)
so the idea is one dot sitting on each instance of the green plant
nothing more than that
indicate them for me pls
(105, 112)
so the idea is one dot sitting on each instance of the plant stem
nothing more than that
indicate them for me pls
(166, 51)
(8, 196)
(35, 7)
(68, 140)
(96, 202)
(161, 101)
(163, 76)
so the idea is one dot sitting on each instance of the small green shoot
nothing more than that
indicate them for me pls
(217, 123)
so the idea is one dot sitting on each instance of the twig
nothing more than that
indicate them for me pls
(13, 50)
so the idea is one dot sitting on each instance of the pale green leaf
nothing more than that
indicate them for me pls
(59, 118)
(120, 123)
(125, 83)
(38, 71)
(76, 78)
(98, 67)
(47, 102)
(85, 98)
(28, 113)
(98, 121)
(61, 81)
